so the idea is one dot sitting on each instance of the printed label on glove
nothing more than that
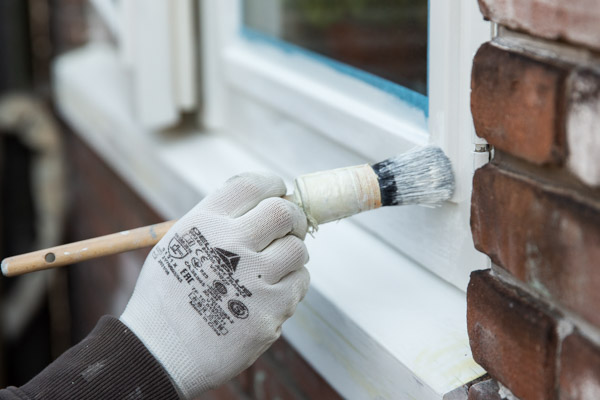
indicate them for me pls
(208, 273)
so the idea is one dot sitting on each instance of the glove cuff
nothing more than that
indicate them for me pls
(165, 345)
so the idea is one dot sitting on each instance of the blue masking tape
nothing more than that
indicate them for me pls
(405, 94)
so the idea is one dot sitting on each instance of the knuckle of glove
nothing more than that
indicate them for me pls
(294, 252)
(280, 213)
(283, 257)
(272, 219)
(253, 183)
(289, 216)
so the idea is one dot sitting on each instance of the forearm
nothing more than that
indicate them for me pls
(109, 363)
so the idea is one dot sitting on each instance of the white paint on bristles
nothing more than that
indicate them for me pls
(420, 176)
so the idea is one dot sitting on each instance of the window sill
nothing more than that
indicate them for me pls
(374, 323)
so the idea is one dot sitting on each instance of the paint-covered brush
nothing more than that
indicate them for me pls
(421, 176)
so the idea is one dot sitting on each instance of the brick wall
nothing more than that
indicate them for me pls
(534, 318)
(101, 203)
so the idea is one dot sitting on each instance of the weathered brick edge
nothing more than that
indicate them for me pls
(533, 350)
(574, 21)
(514, 339)
(543, 110)
(518, 105)
(486, 390)
(545, 234)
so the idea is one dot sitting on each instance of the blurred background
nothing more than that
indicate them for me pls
(55, 189)
(35, 312)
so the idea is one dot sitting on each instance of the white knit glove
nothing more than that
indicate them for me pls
(214, 292)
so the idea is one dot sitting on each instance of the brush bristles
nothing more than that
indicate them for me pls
(420, 176)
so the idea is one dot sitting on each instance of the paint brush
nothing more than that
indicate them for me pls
(421, 176)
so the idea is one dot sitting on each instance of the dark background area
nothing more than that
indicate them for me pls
(31, 33)
(44, 313)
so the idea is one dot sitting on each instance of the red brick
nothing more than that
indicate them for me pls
(579, 369)
(271, 382)
(244, 381)
(575, 21)
(228, 391)
(512, 337)
(545, 233)
(305, 378)
(517, 104)
(486, 390)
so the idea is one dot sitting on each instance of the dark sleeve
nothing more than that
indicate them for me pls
(110, 363)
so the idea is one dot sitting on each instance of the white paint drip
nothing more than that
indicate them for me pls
(564, 329)
(505, 392)
(582, 137)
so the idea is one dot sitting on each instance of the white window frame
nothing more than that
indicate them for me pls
(297, 93)
(375, 323)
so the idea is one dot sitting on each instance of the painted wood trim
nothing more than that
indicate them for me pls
(274, 94)
(184, 44)
(108, 12)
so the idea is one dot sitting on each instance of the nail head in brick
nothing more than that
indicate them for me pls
(511, 337)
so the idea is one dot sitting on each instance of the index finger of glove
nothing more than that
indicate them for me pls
(242, 193)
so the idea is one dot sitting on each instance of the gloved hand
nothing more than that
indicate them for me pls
(214, 292)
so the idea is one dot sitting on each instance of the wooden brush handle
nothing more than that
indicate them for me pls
(88, 249)
(85, 250)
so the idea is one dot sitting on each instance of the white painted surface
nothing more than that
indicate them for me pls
(457, 31)
(126, 38)
(337, 106)
(184, 42)
(158, 43)
(260, 94)
(154, 92)
(374, 324)
(109, 13)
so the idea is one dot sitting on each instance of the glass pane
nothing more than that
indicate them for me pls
(387, 38)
